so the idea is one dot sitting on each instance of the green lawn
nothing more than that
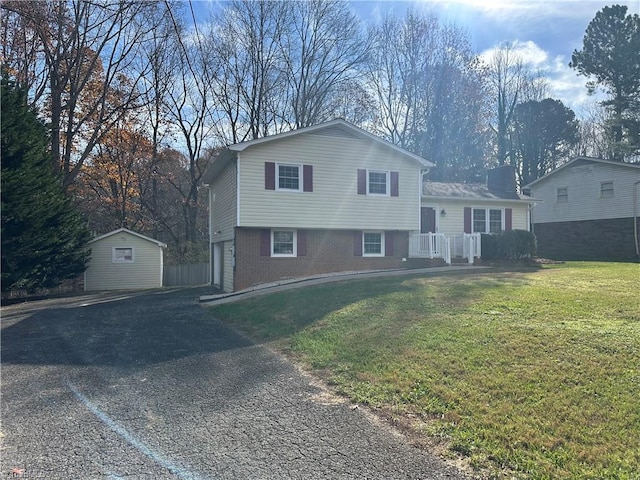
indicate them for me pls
(527, 374)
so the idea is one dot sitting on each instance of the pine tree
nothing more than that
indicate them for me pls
(610, 54)
(43, 236)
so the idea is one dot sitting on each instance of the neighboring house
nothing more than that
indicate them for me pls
(321, 199)
(455, 209)
(589, 209)
(124, 260)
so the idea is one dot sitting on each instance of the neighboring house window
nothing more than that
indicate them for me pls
(283, 243)
(487, 220)
(377, 182)
(562, 195)
(289, 177)
(373, 244)
(606, 190)
(122, 255)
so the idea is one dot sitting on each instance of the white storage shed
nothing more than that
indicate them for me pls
(124, 260)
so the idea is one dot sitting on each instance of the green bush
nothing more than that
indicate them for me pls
(509, 245)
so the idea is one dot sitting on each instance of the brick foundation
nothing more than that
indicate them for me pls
(328, 251)
(611, 239)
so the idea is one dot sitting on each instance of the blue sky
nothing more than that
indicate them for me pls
(545, 33)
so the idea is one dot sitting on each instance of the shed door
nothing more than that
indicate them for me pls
(427, 220)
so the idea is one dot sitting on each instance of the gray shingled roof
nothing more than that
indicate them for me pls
(477, 191)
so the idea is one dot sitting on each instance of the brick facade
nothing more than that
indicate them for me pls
(328, 251)
(611, 239)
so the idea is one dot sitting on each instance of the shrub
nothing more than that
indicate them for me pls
(509, 245)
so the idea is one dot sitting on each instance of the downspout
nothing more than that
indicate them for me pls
(635, 217)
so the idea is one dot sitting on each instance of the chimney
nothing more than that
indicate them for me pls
(502, 180)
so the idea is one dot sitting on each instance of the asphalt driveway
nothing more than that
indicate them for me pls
(149, 386)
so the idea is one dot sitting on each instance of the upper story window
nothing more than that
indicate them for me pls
(487, 220)
(606, 190)
(288, 177)
(122, 255)
(377, 182)
(562, 195)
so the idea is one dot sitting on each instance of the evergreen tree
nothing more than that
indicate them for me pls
(43, 236)
(610, 53)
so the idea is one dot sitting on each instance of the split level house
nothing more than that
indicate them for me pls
(335, 198)
(589, 208)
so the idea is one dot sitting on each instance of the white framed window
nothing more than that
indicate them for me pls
(495, 221)
(487, 220)
(122, 255)
(606, 189)
(562, 195)
(284, 243)
(373, 244)
(479, 220)
(377, 182)
(288, 177)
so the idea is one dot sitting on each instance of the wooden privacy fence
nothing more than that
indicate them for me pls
(185, 275)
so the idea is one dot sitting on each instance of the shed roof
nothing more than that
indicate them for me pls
(126, 230)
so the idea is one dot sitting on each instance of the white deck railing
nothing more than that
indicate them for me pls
(429, 245)
(438, 245)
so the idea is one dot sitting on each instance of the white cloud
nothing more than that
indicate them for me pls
(563, 82)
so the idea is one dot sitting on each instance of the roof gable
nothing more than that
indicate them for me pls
(126, 230)
(582, 161)
(334, 128)
(337, 127)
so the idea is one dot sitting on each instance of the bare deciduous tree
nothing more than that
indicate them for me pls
(87, 56)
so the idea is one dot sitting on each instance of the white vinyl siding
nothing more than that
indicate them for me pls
(222, 201)
(587, 200)
(145, 271)
(334, 202)
(227, 267)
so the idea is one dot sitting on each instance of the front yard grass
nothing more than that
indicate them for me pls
(526, 374)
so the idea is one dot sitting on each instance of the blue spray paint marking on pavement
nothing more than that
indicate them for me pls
(132, 440)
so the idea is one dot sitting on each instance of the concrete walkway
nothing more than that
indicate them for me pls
(289, 284)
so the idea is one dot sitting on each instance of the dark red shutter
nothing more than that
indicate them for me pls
(362, 181)
(307, 178)
(357, 244)
(302, 243)
(394, 184)
(467, 220)
(388, 244)
(265, 243)
(508, 219)
(269, 176)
